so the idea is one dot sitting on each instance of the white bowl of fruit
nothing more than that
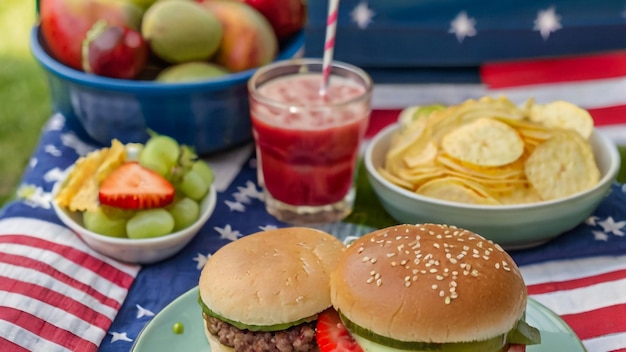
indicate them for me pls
(137, 203)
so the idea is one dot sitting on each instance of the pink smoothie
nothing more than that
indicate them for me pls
(308, 155)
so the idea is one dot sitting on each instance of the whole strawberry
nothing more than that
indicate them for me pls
(114, 51)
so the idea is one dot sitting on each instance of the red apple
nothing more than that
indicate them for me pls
(286, 16)
(114, 51)
(64, 24)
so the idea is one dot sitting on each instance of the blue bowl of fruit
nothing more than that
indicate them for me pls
(137, 203)
(118, 68)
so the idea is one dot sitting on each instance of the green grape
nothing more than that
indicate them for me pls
(185, 212)
(100, 222)
(201, 167)
(150, 223)
(193, 185)
(160, 154)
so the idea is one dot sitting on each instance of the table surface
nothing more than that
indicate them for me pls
(59, 295)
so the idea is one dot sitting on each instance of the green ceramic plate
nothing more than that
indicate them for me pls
(159, 335)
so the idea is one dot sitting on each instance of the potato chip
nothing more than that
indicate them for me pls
(456, 190)
(79, 192)
(481, 149)
(519, 195)
(484, 142)
(562, 114)
(562, 165)
(395, 180)
(421, 157)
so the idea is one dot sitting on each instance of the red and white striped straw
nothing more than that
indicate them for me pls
(329, 45)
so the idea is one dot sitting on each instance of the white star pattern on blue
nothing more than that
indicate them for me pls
(201, 260)
(547, 22)
(600, 236)
(235, 206)
(463, 26)
(119, 336)
(610, 226)
(362, 15)
(227, 233)
(143, 312)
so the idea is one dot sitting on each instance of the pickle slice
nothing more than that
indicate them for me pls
(242, 326)
(522, 334)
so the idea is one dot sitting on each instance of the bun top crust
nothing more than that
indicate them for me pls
(429, 282)
(271, 277)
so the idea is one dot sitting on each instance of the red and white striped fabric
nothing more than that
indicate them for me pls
(589, 294)
(594, 82)
(57, 294)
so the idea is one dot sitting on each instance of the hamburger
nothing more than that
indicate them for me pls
(263, 292)
(431, 287)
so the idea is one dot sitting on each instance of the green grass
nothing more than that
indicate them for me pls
(24, 95)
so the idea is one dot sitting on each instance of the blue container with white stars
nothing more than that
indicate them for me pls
(451, 37)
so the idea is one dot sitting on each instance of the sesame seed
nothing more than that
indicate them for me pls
(403, 262)
(365, 259)
(439, 277)
(373, 260)
(497, 265)
(474, 273)
(407, 283)
(372, 272)
(447, 300)
(434, 286)
(506, 268)
(454, 295)
(414, 278)
(453, 283)
(389, 255)
(407, 278)
(433, 270)
(436, 245)
(485, 257)
(441, 293)
(377, 276)
(379, 282)
(370, 280)
(394, 263)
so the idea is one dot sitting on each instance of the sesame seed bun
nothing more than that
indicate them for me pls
(271, 277)
(432, 283)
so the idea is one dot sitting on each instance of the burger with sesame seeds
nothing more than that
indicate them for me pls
(428, 287)
(263, 292)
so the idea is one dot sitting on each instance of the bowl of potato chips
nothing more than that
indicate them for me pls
(518, 175)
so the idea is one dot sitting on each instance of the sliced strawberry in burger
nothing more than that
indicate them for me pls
(332, 336)
(132, 186)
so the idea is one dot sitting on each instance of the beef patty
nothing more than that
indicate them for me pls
(299, 338)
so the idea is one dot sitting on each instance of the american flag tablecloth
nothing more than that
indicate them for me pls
(58, 295)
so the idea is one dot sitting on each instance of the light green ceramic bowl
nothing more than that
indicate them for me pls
(511, 226)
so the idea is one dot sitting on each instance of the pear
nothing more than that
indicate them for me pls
(181, 31)
(191, 72)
